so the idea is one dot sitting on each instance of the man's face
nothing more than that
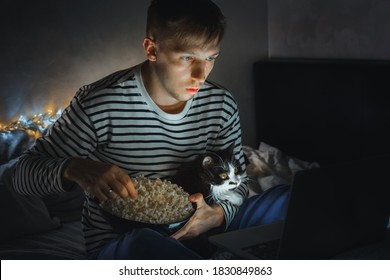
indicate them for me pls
(181, 72)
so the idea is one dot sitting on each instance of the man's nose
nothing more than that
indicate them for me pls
(198, 71)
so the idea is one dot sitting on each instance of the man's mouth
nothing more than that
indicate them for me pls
(192, 90)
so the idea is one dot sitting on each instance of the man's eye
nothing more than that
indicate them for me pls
(186, 58)
(211, 58)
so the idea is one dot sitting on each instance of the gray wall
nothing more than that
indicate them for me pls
(329, 29)
(50, 48)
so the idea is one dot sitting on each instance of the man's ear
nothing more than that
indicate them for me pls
(150, 49)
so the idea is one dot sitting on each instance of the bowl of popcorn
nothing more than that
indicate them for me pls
(160, 205)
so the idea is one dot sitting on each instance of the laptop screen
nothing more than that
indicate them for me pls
(334, 209)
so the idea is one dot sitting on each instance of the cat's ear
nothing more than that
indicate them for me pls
(230, 151)
(231, 148)
(207, 161)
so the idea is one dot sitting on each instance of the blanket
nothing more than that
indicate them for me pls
(269, 166)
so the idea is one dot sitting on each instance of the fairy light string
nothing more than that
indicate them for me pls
(32, 125)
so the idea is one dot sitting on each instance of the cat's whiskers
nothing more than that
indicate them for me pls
(210, 196)
(244, 179)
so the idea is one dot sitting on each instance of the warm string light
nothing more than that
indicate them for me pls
(33, 126)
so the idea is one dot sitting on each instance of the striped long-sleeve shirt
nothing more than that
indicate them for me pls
(114, 120)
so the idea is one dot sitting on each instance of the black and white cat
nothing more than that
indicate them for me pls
(214, 174)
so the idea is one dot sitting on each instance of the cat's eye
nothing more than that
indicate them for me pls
(235, 170)
(223, 176)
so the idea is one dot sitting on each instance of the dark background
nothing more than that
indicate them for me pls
(50, 48)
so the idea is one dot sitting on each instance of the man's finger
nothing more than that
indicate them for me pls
(128, 184)
(118, 188)
(180, 233)
(131, 188)
(198, 199)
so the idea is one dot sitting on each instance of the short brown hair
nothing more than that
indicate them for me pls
(185, 21)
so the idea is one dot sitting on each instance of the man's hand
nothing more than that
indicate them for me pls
(99, 178)
(205, 218)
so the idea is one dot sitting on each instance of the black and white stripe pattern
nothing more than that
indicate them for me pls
(114, 120)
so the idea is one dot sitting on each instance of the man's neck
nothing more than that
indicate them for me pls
(171, 108)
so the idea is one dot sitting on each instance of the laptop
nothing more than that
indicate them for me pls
(331, 210)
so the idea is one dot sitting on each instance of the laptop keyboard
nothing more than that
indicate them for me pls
(266, 251)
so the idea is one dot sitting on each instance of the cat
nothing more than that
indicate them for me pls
(214, 174)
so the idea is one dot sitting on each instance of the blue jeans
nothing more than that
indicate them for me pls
(142, 244)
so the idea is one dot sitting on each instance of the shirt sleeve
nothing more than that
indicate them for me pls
(39, 170)
(231, 133)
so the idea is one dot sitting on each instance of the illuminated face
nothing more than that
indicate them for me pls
(179, 73)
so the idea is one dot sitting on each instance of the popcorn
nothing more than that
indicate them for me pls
(158, 202)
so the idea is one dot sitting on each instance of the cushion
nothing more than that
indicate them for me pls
(67, 206)
(67, 242)
(21, 215)
(13, 143)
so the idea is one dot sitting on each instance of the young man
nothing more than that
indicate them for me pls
(148, 119)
